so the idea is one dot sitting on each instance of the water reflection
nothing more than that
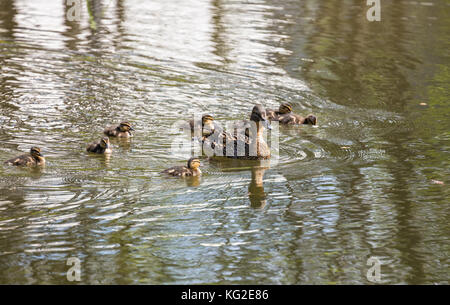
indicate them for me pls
(256, 193)
(8, 25)
(124, 143)
(193, 181)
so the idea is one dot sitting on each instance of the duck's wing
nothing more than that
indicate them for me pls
(244, 128)
(222, 141)
(290, 119)
(177, 171)
(21, 160)
(111, 131)
(93, 147)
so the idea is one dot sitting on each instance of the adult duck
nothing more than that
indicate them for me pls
(246, 141)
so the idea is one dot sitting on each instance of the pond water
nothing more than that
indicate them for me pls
(370, 180)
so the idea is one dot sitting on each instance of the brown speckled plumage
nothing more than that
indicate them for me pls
(274, 115)
(192, 169)
(123, 130)
(34, 158)
(100, 147)
(294, 119)
(253, 148)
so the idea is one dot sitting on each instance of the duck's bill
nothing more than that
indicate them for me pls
(131, 128)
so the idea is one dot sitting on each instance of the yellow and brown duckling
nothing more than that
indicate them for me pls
(192, 169)
(207, 125)
(123, 130)
(34, 158)
(274, 115)
(295, 119)
(100, 147)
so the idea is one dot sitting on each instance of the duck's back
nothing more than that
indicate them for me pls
(178, 171)
(238, 144)
(222, 139)
(249, 150)
(23, 160)
(291, 119)
(95, 148)
(92, 147)
(244, 147)
(111, 131)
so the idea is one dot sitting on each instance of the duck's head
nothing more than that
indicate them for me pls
(285, 108)
(35, 152)
(310, 119)
(104, 142)
(125, 126)
(193, 163)
(259, 115)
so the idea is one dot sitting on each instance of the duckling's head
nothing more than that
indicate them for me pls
(259, 115)
(125, 126)
(193, 163)
(35, 152)
(104, 142)
(285, 108)
(208, 124)
(310, 119)
(207, 119)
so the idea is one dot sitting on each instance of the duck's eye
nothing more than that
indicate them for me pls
(36, 152)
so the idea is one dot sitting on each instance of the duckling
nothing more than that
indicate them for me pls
(192, 169)
(274, 115)
(123, 130)
(292, 119)
(34, 158)
(253, 147)
(100, 147)
(207, 125)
